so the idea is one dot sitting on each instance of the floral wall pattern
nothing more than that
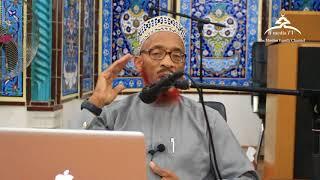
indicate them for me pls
(301, 5)
(12, 22)
(227, 58)
(296, 5)
(226, 51)
(88, 60)
(70, 48)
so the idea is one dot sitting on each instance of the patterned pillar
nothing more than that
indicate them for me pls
(44, 79)
(41, 66)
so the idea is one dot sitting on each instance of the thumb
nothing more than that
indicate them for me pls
(157, 170)
(118, 88)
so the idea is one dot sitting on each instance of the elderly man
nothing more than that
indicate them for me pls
(173, 120)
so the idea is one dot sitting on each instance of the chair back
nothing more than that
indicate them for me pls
(217, 106)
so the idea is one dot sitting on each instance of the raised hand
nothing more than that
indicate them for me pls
(103, 93)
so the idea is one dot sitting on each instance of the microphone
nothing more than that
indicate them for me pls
(182, 84)
(149, 94)
(160, 148)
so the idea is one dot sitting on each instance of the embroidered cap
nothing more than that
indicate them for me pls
(158, 24)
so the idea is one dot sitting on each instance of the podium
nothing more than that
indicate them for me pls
(288, 134)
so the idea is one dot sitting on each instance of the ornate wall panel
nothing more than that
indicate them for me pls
(227, 56)
(227, 51)
(296, 5)
(87, 46)
(301, 5)
(275, 10)
(12, 21)
(70, 75)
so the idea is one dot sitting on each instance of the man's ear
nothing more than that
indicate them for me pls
(138, 62)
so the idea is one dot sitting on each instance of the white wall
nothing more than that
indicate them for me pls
(244, 123)
(13, 116)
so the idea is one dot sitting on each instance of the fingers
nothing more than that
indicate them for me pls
(110, 73)
(113, 93)
(159, 171)
(118, 65)
(108, 76)
(118, 88)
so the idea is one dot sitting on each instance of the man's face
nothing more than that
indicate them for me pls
(153, 69)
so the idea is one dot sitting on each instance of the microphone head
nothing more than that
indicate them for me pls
(177, 75)
(182, 84)
(147, 96)
(161, 147)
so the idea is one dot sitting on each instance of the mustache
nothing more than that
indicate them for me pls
(164, 70)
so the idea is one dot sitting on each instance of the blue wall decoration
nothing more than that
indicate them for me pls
(296, 5)
(87, 81)
(120, 20)
(227, 56)
(12, 21)
(227, 51)
(275, 12)
(301, 5)
(70, 48)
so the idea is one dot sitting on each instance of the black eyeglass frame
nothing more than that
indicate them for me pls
(182, 59)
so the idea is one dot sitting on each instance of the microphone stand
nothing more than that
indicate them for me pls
(313, 95)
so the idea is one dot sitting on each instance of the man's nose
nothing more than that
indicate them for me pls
(166, 61)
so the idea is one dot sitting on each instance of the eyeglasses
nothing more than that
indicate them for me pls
(159, 53)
